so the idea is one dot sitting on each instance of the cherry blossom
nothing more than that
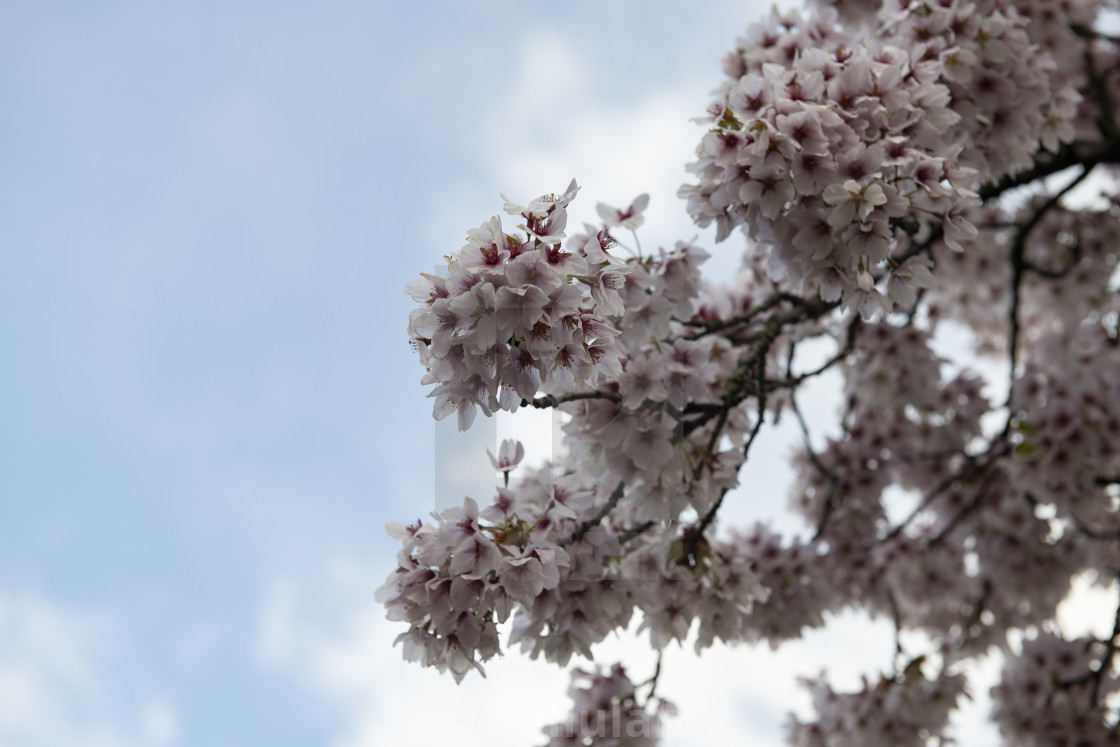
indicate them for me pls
(918, 186)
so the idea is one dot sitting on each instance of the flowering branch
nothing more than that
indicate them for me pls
(870, 159)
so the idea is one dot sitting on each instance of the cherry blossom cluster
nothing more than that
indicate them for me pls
(637, 430)
(591, 601)
(1068, 258)
(1067, 426)
(821, 146)
(1049, 692)
(684, 580)
(527, 552)
(852, 11)
(509, 320)
(834, 149)
(459, 577)
(666, 470)
(1002, 84)
(912, 177)
(891, 370)
(801, 587)
(606, 713)
(903, 711)
(1014, 70)
(1027, 562)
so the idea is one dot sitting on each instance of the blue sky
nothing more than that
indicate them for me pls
(207, 213)
(208, 406)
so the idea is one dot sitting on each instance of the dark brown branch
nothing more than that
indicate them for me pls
(1078, 153)
(1106, 660)
(974, 467)
(633, 532)
(720, 422)
(1106, 106)
(1017, 268)
(552, 400)
(977, 498)
(1088, 33)
(749, 377)
(1074, 260)
(896, 618)
(652, 681)
(833, 480)
(586, 526)
(1090, 532)
(792, 382)
(710, 515)
(745, 318)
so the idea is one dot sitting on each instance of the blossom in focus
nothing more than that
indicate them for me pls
(510, 454)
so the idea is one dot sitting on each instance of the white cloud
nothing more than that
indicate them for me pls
(54, 684)
(541, 135)
(333, 639)
(1090, 608)
(549, 122)
(329, 637)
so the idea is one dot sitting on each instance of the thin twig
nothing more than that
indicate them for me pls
(833, 479)
(633, 532)
(1017, 267)
(710, 514)
(896, 617)
(972, 505)
(1106, 660)
(973, 467)
(653, 680)
(586, 526)
(552, 400)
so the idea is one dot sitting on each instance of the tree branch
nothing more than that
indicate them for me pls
(1017, 267)
(586, 526)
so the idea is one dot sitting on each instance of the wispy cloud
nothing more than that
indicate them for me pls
(327, 636)
(56, 683)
